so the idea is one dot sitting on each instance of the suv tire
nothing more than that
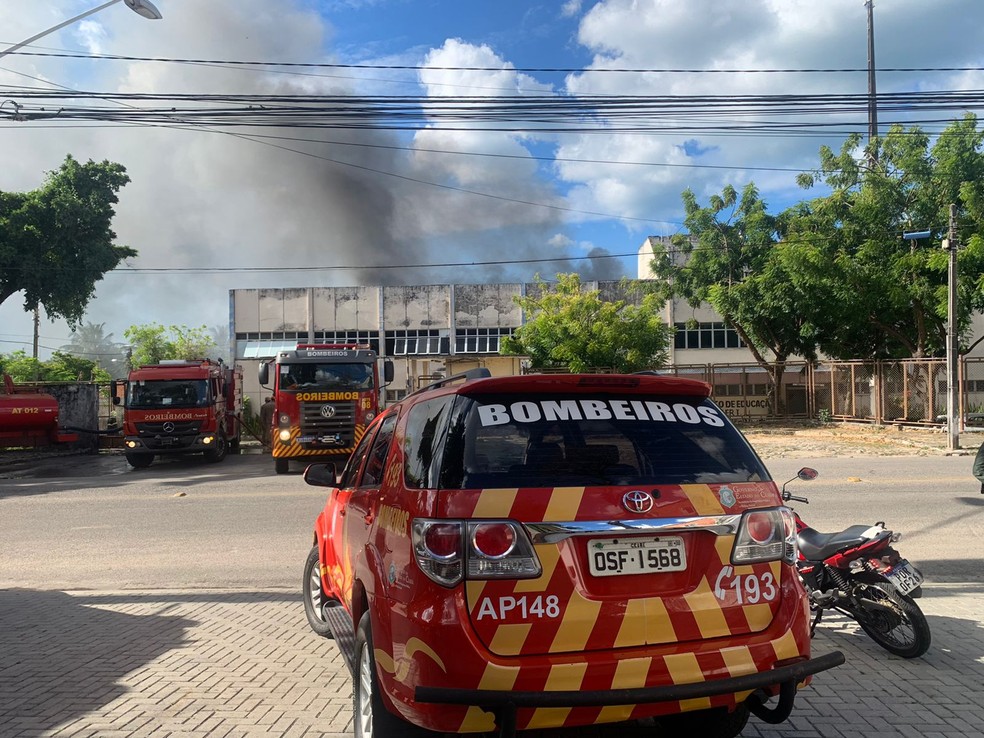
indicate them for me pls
(372, 719)
(314, 594)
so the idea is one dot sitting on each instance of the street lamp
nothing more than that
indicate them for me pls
(141, 7)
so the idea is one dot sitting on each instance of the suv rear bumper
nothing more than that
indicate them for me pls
(795, 673)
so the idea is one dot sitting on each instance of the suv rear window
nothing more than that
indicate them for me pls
(578, 440)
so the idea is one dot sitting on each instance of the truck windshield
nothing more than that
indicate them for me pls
(158, 393)
(351, 376)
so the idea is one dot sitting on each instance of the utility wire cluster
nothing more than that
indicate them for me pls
(745, 114)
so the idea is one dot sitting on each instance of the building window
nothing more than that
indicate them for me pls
(418, 343)
(479, 340)
(361, 338)
(705, 336)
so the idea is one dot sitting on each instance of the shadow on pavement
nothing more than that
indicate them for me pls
(61, 658)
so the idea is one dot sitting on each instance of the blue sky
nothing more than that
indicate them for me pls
(349, 207)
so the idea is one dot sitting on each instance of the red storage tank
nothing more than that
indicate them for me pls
(28, 418)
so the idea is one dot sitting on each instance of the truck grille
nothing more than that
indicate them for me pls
(154, 436)
(318, 422)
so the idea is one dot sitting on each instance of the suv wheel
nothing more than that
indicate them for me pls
(372, 719)
(314, 595)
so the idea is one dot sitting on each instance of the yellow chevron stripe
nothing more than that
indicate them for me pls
(477, 721)
(501, 678)
(705, 502)
(569, 677)
(580, 616)
(509, 639)
(495, 504)
(706, 609)
(564, 504)
(739, 661)
(473, 590)
(785, 646)
(632, 631)
(629, 674)
(683, 669)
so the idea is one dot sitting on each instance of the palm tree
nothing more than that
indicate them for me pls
(90, 341)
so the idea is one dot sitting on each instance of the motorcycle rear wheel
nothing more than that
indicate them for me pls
(903, 630)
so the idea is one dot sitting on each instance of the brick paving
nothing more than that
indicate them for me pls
(237, 663)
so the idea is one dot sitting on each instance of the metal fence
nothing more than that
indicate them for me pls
(911, 392)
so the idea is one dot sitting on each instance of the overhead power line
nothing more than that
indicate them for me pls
(510, 68)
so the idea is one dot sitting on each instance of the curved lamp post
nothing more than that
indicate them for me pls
(141, 7)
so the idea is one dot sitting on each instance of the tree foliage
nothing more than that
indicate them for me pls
(887, 296)
(56, 241)
(730, 260)
(153, 343)
(60, 367)
(569, 326)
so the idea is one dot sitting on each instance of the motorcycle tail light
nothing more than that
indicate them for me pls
(765, 535)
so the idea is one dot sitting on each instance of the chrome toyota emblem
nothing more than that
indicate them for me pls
(327, 411)
(637, 501)
(168, 427)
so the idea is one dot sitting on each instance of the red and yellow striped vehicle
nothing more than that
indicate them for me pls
(543, 551)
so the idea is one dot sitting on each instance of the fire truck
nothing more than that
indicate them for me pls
(324, 397)
(181, 407)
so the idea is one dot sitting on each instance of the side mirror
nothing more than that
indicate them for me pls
(320, 475)
(263, 373)
(116, 400)
(807, 474)
(387, 371)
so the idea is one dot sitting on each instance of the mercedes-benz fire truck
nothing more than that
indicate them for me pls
(324, 397)
(180, 407)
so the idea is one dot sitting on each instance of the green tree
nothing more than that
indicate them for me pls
(887, 296)
(570, 326)
(730, 261)
(60, 367)
(154, 343)
(56, 241)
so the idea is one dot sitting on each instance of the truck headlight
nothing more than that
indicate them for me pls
(285, 435)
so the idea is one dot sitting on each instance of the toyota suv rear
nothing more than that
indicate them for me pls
(555, 551)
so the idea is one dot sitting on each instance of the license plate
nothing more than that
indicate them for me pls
(610, 557)
(905, 577)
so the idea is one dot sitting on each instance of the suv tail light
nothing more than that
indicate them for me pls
(765, 535)
(448, 551)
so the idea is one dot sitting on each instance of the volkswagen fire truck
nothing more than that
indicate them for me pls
(324, 397)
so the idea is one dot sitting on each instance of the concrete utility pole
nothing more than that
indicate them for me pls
(872, 96)
(952, 347)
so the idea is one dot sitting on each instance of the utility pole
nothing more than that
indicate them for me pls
(952, 348)
(872, 96)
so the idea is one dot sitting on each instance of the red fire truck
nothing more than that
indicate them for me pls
(179, 407)
(324, 397)
(29, 417)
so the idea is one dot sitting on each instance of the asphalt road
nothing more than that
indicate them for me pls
(92, 522)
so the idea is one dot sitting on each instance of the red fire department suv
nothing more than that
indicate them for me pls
(504, 554)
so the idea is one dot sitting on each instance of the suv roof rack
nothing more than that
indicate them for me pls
(479, 372)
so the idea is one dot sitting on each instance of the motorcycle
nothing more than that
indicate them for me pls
(858, 573)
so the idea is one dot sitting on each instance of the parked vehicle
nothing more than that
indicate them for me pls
(181, 407)
(858, 573)
(325, 395)
(29, 417)
(551, 551)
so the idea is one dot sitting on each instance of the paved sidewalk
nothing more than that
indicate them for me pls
(197, 663)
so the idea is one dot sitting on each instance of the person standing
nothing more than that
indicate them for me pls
(978, 470)
(266, 420)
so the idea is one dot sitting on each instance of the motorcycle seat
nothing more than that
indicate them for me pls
(817, 546)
